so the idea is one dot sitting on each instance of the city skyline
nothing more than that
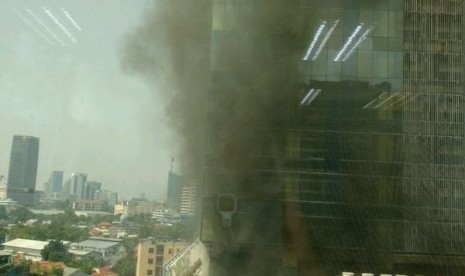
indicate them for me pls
(90, 115)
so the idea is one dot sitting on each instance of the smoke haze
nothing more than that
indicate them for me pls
(170, 51)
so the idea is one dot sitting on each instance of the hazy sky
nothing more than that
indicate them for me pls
(89, 115)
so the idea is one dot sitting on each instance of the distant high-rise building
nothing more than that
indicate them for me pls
(22, 171)
(173, 195)
(188, 199)
(108, 196)
(55, 183)
(66, 187)
(91, 189)
(78, 185)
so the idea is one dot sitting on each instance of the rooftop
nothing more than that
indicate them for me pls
(78, 252)
(24, 243)
(5, 253)
(97, 244)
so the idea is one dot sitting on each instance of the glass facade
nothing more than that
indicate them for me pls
(337, 126)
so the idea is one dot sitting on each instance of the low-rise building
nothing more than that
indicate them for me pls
(26, 249)
(5, 258)
(111, 249)
(84, 255)
(136, 206)
(88, 205)
(153, 254)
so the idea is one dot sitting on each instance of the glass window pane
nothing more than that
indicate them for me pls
(396, 44)
(396, 5)
(218, 17)
(382, 23)
(380, 60)
(349, 67)
(396, 24)
(365, 64)
(395, 65)
(380, 44)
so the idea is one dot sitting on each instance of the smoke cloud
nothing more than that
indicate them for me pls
(252, 98)
(170, 51)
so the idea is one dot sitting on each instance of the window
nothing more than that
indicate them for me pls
(151, 250)
(150, 261)
(160, 249)
(149, 272)
(160, 260)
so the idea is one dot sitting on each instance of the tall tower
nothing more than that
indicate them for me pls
(336, 138)
(78, 185)
(91, 189)
(22, 170)
(174, 192)
(55, 183)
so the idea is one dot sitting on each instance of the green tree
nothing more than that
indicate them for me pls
(55, 251)
(129, 245)
(125, 266)
(84, 265)
(56, 271)
(22, 268)
(20, 214)
(145, 230)
(3, 214)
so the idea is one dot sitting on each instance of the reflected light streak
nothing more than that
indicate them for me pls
(357, 44)
(45, 27)
(52, 16)
(307, 96)
(314, 40)
(29, 23)
(71, 19)
(310, 97)
(348, 42)
(325, 40)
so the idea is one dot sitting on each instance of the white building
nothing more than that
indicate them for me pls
(133, 207)
(188, 199)
(27, 249)
(111, 249)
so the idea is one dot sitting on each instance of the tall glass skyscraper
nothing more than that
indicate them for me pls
(174, 190)
(336, 138)
(55, 183)
(22, 170)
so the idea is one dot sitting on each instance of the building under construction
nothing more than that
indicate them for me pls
(335, 138)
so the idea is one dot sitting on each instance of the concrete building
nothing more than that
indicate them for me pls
(110, 249)
(173, 195)
(27, 249)
(77, 185)
(55, 183)
(350, 155)
(108, 196)
(22, 170)
(5, 259)
(153, 254)
(189, 199)
(92, 187)
(88, 205)
(136, 206)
